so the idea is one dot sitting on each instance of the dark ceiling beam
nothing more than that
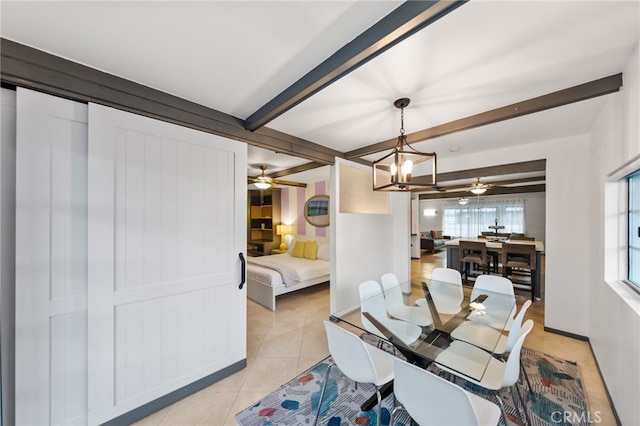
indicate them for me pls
(405, 20)
(600, 87)
(291, 145)
(493, 183)
(30, 68)
(290, 183)
(491, 191)
(480, 172)
(297, 169)
(311, 166)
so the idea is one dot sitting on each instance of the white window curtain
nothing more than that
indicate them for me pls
(474, 218)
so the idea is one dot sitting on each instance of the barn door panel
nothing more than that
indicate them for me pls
(166, 214)
(51, 260)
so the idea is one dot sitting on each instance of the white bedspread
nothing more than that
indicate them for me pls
(292, 269)
(264, 275)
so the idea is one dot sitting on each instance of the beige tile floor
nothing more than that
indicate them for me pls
(284, 343)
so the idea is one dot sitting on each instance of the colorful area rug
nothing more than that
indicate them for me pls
(557, 398)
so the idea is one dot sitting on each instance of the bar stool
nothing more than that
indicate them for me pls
(494, 255)
(521, 257)
(472, 252)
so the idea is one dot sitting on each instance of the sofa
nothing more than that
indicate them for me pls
(432, 240)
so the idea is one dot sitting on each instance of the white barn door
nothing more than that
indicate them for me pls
(167, 208)
(51, 260)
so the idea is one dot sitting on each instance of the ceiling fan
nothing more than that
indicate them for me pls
(476, 187)
(263, 181)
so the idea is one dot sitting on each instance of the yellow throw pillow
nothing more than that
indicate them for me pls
(298, 249)
(311, 250)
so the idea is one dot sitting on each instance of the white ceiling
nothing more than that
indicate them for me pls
(235, 56)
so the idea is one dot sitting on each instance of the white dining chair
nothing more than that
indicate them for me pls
(372, 301)
(396, 307)
(447, 297)
(433, 401)
(357, 360)
(488, 338)
(495, 284)
(461, 357)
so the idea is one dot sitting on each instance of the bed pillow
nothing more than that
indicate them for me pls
(298, 249)
(323, 252)
(292, 244)
(311, 250)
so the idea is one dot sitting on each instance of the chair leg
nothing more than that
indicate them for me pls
(379, 396)
(504, 413)
(520, 416)
(533, 285)
(526, 378)
(324, 386)
(394, 411)
(524, 406)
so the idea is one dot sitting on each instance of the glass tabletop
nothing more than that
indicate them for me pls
(423, 318)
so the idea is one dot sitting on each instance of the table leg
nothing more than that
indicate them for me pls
(537, 273)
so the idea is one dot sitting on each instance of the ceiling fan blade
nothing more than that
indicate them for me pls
(279, 182)
(289, 183)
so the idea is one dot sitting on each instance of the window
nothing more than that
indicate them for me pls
(633, 238)
(472, 219)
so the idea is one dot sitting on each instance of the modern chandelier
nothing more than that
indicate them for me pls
(393, 172)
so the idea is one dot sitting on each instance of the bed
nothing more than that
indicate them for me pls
(277, 274)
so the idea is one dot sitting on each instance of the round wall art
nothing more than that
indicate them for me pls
(316, 210)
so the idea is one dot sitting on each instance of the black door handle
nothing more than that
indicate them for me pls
(243, 277)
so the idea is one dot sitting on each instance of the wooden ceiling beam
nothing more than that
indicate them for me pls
(491, 191)
(297, 169)
(310, 166)
(34, 69)
(405, 20)
(501, 169)
(494, 183)
(480, 172)
(600, 87)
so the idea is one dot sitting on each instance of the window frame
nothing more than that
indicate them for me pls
(616, 230)
(632, 213)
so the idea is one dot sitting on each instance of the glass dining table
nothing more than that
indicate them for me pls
(420, 318)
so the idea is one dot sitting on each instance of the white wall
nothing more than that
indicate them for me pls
(582, 242)
(365, 246)
(534, 205)
(614, 309)
(567, 235)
